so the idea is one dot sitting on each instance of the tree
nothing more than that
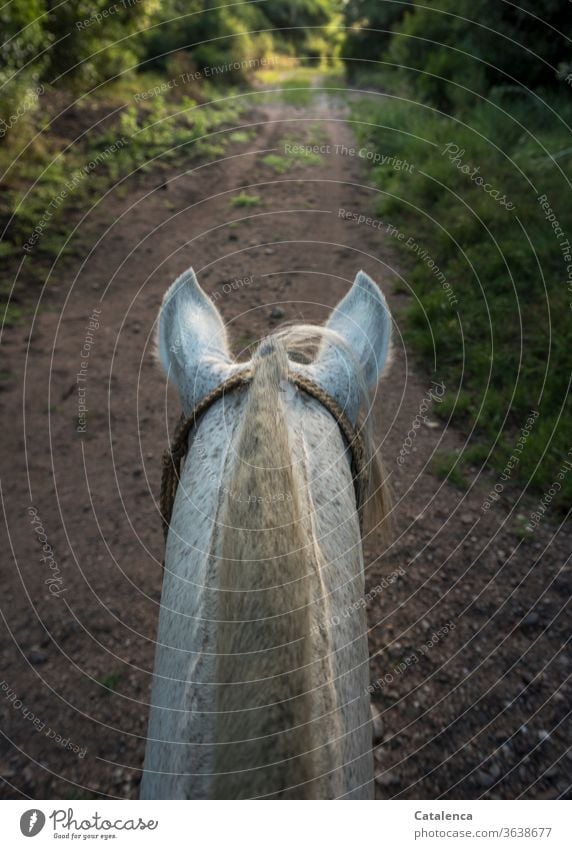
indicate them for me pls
(441, 38)
(89, 43)
(369, 26)
(24, 38)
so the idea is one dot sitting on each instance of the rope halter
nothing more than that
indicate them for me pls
(173, 456)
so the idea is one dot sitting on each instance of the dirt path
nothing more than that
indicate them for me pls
(480, 712)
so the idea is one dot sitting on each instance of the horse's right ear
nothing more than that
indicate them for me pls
(192, 342)
(362, 322)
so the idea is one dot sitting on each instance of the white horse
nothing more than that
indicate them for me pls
(261, 669)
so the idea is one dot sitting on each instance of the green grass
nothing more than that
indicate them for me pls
(12, 315)
(111, 681)
(504, 267)
(291, 85)
(281, 163)
(446, 466)
(278, 163)
(297, 91)
(308, 136)
(298, 85)
(150, 135)
(241, 136)
(245, 200)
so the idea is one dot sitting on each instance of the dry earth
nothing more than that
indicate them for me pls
(480, 713)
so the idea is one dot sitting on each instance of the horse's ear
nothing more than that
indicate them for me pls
(191, 341)
(363, 321)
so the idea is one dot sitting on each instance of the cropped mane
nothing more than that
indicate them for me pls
(269, 581)
(302, 343)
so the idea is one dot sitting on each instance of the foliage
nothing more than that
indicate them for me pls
(22, 32)
(214, 37)
(369, 24)
(490, 80)
(499, 70)
(23, 39)
(94, 40)
(446, 48)
(245, 200)
(307, 25)
(445, 465)
(241, 34)
(149, 135)
(503, 346)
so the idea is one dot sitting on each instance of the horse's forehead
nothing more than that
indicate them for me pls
(312, 428)
(299, 408)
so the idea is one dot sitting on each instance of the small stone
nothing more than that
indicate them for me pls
(425, 624)
(37, 656)
(543, 735)
(530, 620)
(466, 519)
(118, 776)
(430, 424)
(379, 755)
(277, 313)
(28, 775)
(269, 251)
(386, 779)
(378, 730)
(485, 779)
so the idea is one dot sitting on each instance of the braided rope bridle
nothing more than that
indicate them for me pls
(173, 456)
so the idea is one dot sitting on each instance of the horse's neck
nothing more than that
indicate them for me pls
(338, 671)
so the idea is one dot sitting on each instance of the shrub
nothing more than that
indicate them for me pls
(504, 345)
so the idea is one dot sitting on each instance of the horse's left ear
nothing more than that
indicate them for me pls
(363, 321)
(192, 342)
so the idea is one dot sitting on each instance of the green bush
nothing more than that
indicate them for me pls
(23, 39)
(445, 48)
(505, 342)
(368, 32)
(95, 40)
(214, 38)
